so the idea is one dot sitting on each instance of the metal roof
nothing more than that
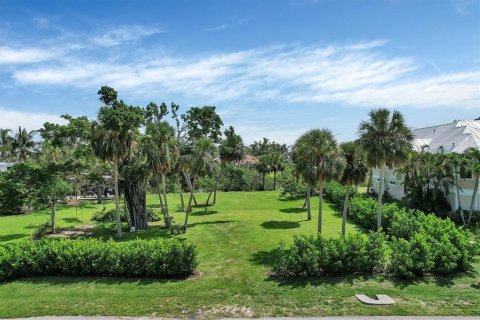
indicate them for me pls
(452, 137)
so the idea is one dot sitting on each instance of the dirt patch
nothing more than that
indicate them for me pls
(234, 311)
(73, 232)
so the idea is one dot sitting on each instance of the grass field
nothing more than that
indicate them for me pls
(235, 240)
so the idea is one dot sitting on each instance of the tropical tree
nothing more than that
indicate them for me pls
(263, 167)
(472, 157)
(114, 136)
(203, 162)
(318, 148)
(457, 161)
(276, 163)
(354, 173)
(5, 143)
(162, 153)
(386, 139)
(303, 167)
(23, 145)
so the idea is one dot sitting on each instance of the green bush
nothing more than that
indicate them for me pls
(310, 256)
(42, 229)
(105, 215)
(137, 258)
(412, 258)
(335, 193)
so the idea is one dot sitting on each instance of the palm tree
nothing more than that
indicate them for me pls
(305, 169)
(202, 162)
(5, 143)
(162, 153)
(472, 157)
(263, 167)
(456, 161)
(23, 145)
(318, 148)
(276, 163)
(354, 173)
(386, 139)
(113, 146)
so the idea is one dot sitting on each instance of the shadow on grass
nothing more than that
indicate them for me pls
(263, 258)
(204, 213)
(10, 237)
(192, 225)
(280, 224)
(293, 210)
(71, 220)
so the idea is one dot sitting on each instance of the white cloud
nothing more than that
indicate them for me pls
(124, 34)
(9, 55)
(356, 74)
(12, 119)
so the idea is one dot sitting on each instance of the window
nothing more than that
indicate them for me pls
(465, 173)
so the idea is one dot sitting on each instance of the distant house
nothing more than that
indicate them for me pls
(452, 137)
(5, 165)
(248, 159)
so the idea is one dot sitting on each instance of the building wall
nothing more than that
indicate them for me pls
(394, 187)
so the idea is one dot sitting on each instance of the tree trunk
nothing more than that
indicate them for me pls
(194, 199)
(474, 197)
(99, 194)
(182, 202)
(369, 184)
(215, 192)
(208, 199)
(189, 209)
(54, 229)
(380, 197)
(162, 209)
(307, 200)
(165, 203)
(117, 198)
(135, 188)
(345, 209)
(274, 180)
(457, 189)
(320, 206)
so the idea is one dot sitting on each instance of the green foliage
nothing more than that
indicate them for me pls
(313, 256)
(105, 215)
(232, 147)
(291, 186)
(265, 146)
(136, 258)
(335, 193)
(42, 229)
(203, 123)
(411, 259)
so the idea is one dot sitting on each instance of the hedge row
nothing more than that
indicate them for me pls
(312, 256)
(137, 258)
(415, 244)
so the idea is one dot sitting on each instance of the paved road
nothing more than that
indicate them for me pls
(292, 318)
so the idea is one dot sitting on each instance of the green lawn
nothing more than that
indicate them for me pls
(235, 240)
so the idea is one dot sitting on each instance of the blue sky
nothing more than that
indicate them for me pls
(272, 68)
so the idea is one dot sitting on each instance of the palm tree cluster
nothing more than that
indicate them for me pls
(17, 147)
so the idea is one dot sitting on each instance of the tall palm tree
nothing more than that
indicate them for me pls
(263, 167)
(113, 146)
(23, 145)
(354, 173)
(5, 143)
(203, 162)
(385, 138)
(456, 161)
(318, 148)
(276, 163)
(161, 153)
(303, 166)
(472, 157)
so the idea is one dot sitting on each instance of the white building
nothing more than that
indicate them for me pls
(452, 137)
(5, 165)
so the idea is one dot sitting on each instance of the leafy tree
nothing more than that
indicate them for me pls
(354, 173)
(5, 143)
(231, 148)
(15, 187)
(23, 145)
(265, 146)
(276, 163)
(386, 139)
(162, 153)
(318, 148)
(203, 162)
(203, 123)
(456, 161)
(114, 135)
(263, 167)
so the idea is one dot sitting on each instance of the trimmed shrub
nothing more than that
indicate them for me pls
(42, 229)
(312, 256)
(136, 258)
(412, 258)
(335, 193)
